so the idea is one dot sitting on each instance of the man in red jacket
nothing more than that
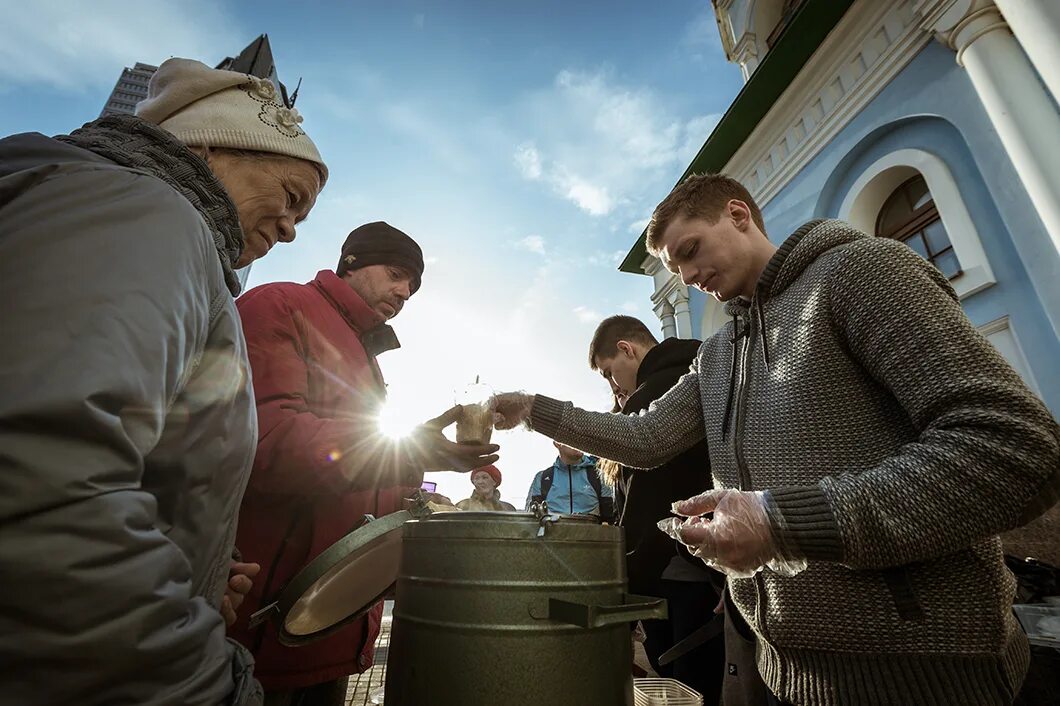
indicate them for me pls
(322, 463)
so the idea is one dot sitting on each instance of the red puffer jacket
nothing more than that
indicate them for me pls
(321, 463)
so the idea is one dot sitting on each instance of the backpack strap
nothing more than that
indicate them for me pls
(546, 483)
(607, 504)
(594, 480)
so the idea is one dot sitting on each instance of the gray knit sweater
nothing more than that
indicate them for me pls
(896, 444)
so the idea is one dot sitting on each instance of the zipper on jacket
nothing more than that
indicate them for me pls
(741, 389)
(570, 486)
(741, 463)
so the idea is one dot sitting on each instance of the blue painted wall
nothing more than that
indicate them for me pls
(932, 105)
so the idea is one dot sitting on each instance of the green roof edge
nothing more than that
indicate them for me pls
(799, 40)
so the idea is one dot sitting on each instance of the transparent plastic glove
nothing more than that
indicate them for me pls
(510, 409)
(738, 541)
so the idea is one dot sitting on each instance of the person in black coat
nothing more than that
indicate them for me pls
(639, 370)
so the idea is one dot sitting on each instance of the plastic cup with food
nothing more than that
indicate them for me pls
(475, 424)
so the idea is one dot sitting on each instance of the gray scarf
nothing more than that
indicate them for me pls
(138, 144)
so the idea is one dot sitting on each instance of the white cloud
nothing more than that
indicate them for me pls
(630, 307)
(410, 121)
(696, 133)
(587, 315)
(81, 46)
(605, 146)
(533, 243)
(607, 259)
(528, 159)
(418, 20)
(589, 197)
(638, 226)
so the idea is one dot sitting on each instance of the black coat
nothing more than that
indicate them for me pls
(643, 497)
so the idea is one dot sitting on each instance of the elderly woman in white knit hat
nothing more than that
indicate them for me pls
(127, 425)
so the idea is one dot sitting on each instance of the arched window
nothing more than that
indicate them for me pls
(909, 214)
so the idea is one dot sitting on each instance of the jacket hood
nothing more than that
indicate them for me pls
(670, 353)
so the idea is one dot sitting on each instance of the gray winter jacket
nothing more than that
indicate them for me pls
(896, 443)
(127, 423)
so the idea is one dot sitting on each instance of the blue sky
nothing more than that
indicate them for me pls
(523, 145)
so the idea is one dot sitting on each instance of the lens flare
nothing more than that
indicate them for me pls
(396, 423)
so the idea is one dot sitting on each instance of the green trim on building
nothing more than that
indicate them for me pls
(808, 28)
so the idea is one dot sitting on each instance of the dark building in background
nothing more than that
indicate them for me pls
(255, 59)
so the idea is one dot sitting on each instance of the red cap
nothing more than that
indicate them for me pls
(494, 472)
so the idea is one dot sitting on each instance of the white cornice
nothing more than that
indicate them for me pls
(651, 265)
(995, 326)
(747, 47)
(941, 15)
(866, 49)
(672, 290)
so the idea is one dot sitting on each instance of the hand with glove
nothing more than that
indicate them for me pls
(738, 540)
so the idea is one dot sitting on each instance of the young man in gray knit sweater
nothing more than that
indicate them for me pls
(868, 446)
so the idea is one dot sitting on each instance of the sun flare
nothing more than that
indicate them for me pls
(396, 423)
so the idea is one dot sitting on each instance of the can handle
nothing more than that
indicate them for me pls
(597, 616)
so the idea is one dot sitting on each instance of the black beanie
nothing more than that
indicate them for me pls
(380, 243)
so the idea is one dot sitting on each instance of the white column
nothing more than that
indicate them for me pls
(665, 312)
(1036, 24)
(1021, 111)
(682, 314)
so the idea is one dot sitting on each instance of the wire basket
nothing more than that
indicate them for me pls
(664, 692)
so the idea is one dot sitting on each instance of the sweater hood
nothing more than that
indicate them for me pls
(798, 251)
(809, 242)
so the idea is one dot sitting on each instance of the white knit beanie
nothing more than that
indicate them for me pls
(208, 107)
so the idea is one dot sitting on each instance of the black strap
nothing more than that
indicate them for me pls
(594, 480)
(546, 483)
(607, 504)
(266, 593)
(704, 634)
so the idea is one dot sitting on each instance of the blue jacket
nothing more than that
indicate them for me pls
(567, 481)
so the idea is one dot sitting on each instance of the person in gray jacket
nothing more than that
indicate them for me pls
(868, 446)
(127, 424)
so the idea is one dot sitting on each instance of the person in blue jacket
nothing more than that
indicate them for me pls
(572, 485)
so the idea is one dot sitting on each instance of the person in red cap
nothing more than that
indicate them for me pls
(322, 462)
(486, 497)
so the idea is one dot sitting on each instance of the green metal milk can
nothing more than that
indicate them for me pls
(512, 609)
